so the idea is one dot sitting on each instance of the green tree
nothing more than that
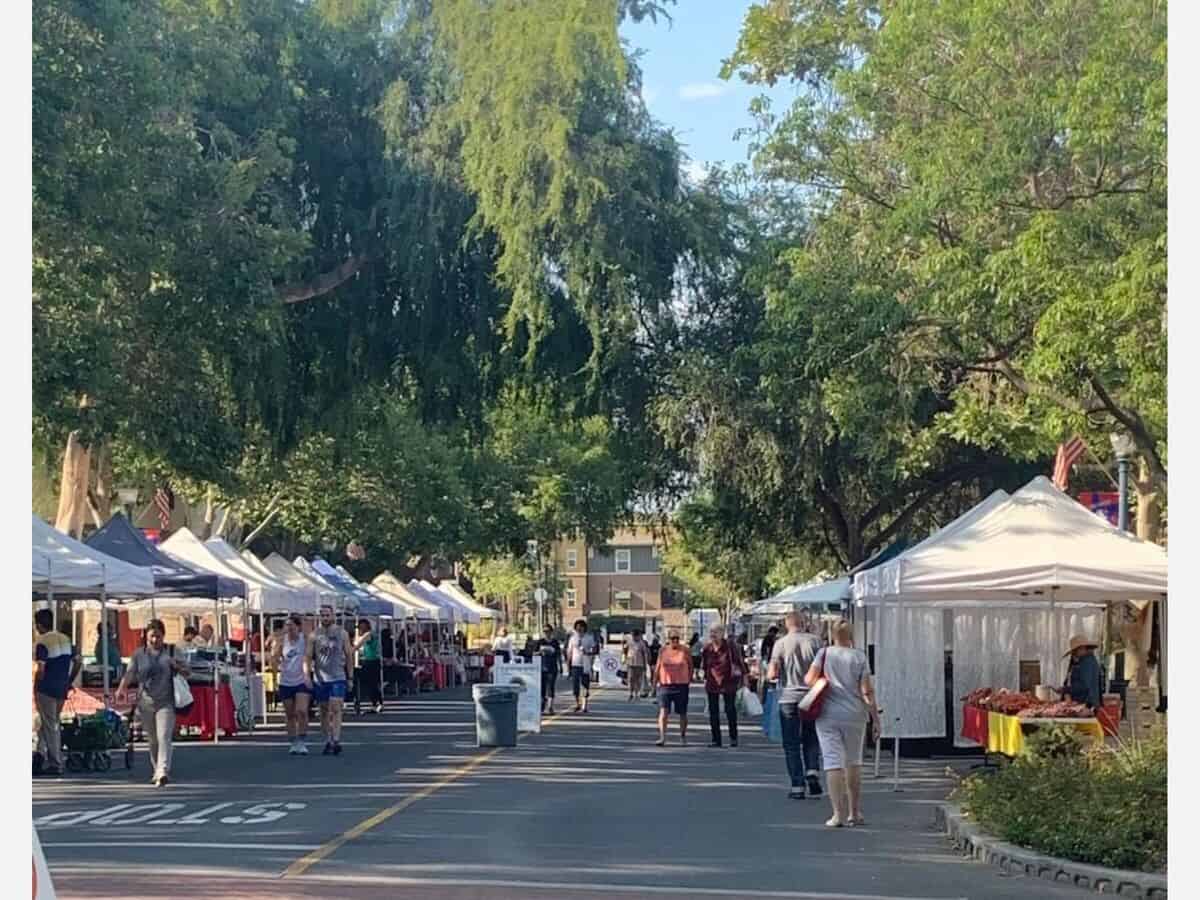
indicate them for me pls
(1010, 162)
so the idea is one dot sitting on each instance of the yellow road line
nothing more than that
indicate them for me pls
(302, 865)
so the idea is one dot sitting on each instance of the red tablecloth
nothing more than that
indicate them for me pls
(202, 715)
(439, 675)
(975, 725)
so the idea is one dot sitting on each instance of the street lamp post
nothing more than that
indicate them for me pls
(1123, 448)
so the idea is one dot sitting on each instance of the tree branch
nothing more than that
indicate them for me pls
(272, 511)
(323, 283)
(1136, 427)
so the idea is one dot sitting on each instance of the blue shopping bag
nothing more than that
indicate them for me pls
(770, 719)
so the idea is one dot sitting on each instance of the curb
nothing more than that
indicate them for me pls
(1020, 861)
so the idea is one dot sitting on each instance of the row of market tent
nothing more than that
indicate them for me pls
(1011, 579)
(184, 575)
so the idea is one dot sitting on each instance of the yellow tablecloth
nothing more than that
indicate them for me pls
(1006, 736)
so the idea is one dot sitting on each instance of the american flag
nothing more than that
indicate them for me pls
(1068, 455)
(164, 501)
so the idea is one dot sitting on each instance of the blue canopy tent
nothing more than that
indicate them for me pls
(172, 578)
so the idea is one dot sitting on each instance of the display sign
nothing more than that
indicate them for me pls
(529, 702)
(609, 664)
(1106, 504)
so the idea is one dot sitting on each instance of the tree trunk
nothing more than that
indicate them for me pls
(1149, 508)
(73, 487)
(209, 514)
(104, 481)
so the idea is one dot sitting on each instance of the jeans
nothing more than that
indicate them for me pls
(549, 679)
(158, 724)
(801, 748)
(714, 715)
(581, 677)
(49, 730)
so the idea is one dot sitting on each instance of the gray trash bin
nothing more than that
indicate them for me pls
(495, 714)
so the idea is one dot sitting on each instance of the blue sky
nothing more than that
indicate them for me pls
(680, 75)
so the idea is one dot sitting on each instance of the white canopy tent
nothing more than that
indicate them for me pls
(272, 595)
(1022, 574)
(403, 610)
(63, 566)
(823, 593)
(390, 584)
(455, 590)
(469, 612)
(284, 571)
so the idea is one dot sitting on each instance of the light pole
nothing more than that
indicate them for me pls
(1123, 447)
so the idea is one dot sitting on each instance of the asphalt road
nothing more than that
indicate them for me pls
(588, 807)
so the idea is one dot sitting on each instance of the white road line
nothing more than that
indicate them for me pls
(189, 845)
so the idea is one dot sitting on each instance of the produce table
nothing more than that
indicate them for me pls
(1005, 734)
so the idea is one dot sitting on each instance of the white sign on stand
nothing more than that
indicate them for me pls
(529, 701)
(609, 663)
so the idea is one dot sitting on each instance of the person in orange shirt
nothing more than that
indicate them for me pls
(674, 677)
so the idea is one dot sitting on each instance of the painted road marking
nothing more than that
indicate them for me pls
(164, 814)
(188, 845)
(302, 865)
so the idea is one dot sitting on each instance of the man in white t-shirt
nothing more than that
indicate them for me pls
(581, 652)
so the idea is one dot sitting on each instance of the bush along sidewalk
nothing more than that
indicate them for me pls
(1101, 805)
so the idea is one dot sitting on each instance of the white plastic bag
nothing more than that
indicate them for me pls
(183, 696)
(749, 703)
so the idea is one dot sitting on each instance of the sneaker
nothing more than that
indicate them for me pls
(337, 748)
(814, 785)
(660, 743)
(328, 751)
(733, 742)
(835, 822)
(293, 750)
(714, 743)
(161, 781)
(302, 749)
(796, 793)
(379, 709)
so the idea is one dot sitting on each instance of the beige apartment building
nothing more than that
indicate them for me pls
(621, 580)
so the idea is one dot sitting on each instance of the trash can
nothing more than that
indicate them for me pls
(496, 714)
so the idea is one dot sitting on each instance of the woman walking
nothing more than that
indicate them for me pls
(673, 675)
(295, 683)
(723, 667)
(153, 668)
(848, 701)
(369, 674)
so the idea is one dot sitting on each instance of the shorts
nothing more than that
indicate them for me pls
(287, 692)
(841, 743)
(673, 695)
(324, 691)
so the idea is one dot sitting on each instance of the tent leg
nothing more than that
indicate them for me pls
(216, 685)
(262, 663)
(104, 641)
(896, 759)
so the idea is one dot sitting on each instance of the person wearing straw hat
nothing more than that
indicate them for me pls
(1084, 682)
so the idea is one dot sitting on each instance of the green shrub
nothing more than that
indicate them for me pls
(1105, 806)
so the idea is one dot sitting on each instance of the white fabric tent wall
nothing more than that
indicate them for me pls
(906, 680)
(987, 646)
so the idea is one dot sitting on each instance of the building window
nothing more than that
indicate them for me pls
(624, 562)
(572, 560)
(623, 600)
(570, 593)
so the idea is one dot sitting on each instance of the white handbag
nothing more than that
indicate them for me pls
(183, 696)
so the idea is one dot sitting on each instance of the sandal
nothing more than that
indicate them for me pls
(660, 743)
(856, 822)
(834, 823)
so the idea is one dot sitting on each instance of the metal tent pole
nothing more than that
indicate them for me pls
(104, 640)
(216, 681)
(262, 663)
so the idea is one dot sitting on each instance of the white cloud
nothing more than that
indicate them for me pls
(703, 90)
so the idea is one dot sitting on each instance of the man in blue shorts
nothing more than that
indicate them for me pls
(330, 654)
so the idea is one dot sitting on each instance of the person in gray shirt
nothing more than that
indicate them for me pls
(791, 658)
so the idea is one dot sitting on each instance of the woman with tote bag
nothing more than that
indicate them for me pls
(156, 671)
